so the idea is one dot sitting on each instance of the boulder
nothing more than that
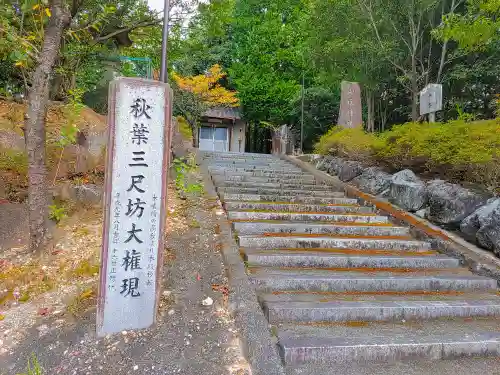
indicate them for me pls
(323, 163)
(335, 166)
(373, 181)
(488, 236)
(408, 191)
(478, 219)
(88, 194)
(349, 169)
(449, 204)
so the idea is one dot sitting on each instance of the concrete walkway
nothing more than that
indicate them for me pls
(346, 290)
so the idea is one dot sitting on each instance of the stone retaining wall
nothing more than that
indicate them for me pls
(475, 214)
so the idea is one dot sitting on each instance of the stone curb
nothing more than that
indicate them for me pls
(258, 346)
(479, 261)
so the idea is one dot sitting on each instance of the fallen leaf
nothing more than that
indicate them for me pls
(43, 311)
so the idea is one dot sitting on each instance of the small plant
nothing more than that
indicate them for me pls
(70, 130)
(463, 116)
(33, 367)
(194, 224)
(83, 301)
(57, 213)
(182, 169)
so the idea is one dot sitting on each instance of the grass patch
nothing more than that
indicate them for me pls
(194, 224)
(83, 301)
(33, 367)
(184, 128)
(13, 161)
(86, 268)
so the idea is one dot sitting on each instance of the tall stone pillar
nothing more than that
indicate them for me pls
(350, 105)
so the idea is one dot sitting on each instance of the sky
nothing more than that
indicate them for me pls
(156, 4)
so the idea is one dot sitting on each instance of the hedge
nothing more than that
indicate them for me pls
(457, 150)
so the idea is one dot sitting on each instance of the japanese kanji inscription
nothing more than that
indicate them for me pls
(136, 178)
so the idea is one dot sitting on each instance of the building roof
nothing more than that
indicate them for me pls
(231, 113)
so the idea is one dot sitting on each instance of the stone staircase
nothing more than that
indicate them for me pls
(342, 286)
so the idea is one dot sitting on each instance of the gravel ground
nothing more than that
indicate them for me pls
(189, 338)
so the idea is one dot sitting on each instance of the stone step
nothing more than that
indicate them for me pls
(230, 155)
(457, 366)
(446, 296)
(255, 227)
(263, 165)
(309, 217)
(288, 199)
(362, 311)
(389, 342)
(258, 170)
(231, 180)
(243, 162)
(281, 192)
(435, 347)
(292, 207)
(274, 185)
(225, 180)
(261, 173)
(356, 282)
(256, 257)
(268, 242)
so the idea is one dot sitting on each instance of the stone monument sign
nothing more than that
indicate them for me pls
(350, 105)
(134, 207)
(431, 100)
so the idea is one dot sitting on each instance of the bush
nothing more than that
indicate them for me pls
(352, 143)
(184, 128)
(457, 150)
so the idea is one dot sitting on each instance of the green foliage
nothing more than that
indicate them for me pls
(183, 168)
(184, 128)
(321, 106)
(14, 161)
(347, 142)
(33, 367)
(57, 213)
(268, 61)
(458, 149)
(476, 28)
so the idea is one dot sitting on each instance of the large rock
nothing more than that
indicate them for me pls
(335, 166)
(408, 191)
(349, 170)
(87, 194)
(373, 181)
(323, 163)
(488, 236)
(449, 204)
(479, 218)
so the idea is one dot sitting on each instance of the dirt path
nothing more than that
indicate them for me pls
(190, 338)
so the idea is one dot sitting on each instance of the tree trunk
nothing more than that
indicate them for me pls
(370, 122)
(35, 125)
(414, 90)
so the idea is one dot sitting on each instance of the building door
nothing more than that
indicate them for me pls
(214, 139)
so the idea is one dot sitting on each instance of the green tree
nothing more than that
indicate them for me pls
(268, 61)
(475, 29)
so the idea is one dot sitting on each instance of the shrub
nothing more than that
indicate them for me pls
(457, 150)
(184, 128)
(348, 142)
